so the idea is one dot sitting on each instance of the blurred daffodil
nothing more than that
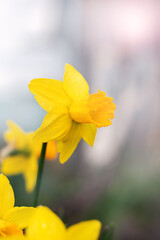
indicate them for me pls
(12, 219)
(45, 224)
(72, 113)
(22, 153)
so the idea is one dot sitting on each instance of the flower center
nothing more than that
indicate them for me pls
(9, 229)
(97, 109)
(79, 111)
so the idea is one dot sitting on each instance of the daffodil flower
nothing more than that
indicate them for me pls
(12, 219)
(45, 224)
(72, 113)
(22, 153)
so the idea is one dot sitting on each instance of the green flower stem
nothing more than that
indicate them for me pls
(39, 175)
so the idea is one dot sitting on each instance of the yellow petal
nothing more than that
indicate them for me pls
(21, 216)
(14, 165)
(88, 132)
(49, 93)
(67, 147)
(74, 83)
(6, 195)
(30, 174)
(55, 126)
(46, 225)
(28, 166)
(88, 230)
(59, 146)
(18, 237)
(9, 229)
(15, 135)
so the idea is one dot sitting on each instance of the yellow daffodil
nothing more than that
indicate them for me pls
(12, 219)
(22, 153)
(45, 224)
(72, 113)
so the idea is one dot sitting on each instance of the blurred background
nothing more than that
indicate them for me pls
(116, 46)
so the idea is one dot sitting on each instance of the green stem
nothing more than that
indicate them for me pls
(39, 175)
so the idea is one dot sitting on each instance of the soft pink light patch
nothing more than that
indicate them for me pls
(133, 22)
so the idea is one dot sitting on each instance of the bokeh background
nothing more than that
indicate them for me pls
(116, 46)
